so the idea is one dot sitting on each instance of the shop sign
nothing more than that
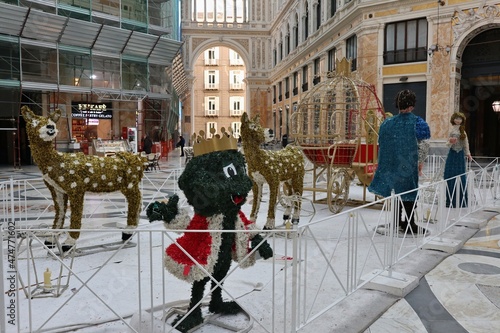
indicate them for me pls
(91, 110)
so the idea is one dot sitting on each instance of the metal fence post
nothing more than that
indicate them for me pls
(295, 277)
(393, 229)
(441, 223)
(2, 290)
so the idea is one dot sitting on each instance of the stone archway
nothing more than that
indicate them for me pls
(479, 87)
(219, 93)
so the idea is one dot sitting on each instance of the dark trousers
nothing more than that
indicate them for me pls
(406, 215)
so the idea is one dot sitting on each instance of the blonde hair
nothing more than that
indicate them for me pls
(462, 125)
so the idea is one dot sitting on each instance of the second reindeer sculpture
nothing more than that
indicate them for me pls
(271, 167)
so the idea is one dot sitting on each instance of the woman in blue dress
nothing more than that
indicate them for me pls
(455, 162)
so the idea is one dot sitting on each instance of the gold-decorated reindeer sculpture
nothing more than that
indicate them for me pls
(271, 167)
(69, 176)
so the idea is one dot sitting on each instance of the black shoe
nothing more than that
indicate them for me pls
(416, 229)
(403, 226)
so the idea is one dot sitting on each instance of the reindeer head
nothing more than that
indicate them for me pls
(251, 130)
(41, 128)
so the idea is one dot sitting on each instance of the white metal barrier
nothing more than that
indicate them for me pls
(118, 285)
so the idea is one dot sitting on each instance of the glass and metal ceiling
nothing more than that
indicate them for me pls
(37, 25)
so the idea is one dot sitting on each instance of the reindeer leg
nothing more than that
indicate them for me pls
(60, 200)
(134, 200)
(76, 202)
(287, 192)
(297, 187)
(273, 197)
(257, 197)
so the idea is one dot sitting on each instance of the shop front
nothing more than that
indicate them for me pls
(92, 130)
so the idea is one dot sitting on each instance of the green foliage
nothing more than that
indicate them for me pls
(207, 186)
(161, 211)
(265, 249)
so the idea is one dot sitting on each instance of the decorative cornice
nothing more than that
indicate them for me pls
(464, 19)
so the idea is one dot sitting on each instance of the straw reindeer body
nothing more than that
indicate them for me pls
(271, 167)
(69, 176)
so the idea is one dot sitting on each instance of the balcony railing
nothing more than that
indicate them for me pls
(211, 113)
(236, 86)
(211, 86)
(211, 62)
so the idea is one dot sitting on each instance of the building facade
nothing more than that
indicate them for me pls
(106, 64)
(446, 51)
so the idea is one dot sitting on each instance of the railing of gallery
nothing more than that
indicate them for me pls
(315, 265)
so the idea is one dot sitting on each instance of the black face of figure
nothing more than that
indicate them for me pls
(216, 182)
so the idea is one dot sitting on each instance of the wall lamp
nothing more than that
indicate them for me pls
(496, 106)
(435, 47)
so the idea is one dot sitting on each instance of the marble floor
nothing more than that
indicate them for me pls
(461, 293)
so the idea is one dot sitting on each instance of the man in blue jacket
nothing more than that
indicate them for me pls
(403, 148)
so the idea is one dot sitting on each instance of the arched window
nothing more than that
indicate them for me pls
(275, 53)
(333, 7)
(280, 47)
(287, 40)
(352, 51)
(296, 32)
(306, 22)
(318, 15)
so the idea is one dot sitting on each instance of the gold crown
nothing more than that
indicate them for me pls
(218, 142)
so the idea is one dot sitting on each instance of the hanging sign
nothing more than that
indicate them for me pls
(92, 110)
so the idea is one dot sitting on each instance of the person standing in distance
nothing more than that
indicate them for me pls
(181, 144)
(147, 144)
(403, 147)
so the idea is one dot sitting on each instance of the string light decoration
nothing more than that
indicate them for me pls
(329, 124)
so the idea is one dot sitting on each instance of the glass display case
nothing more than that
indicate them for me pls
(109, 147)
(78, 129)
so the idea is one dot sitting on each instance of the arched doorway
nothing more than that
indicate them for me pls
(480, 87)
(219, 91)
